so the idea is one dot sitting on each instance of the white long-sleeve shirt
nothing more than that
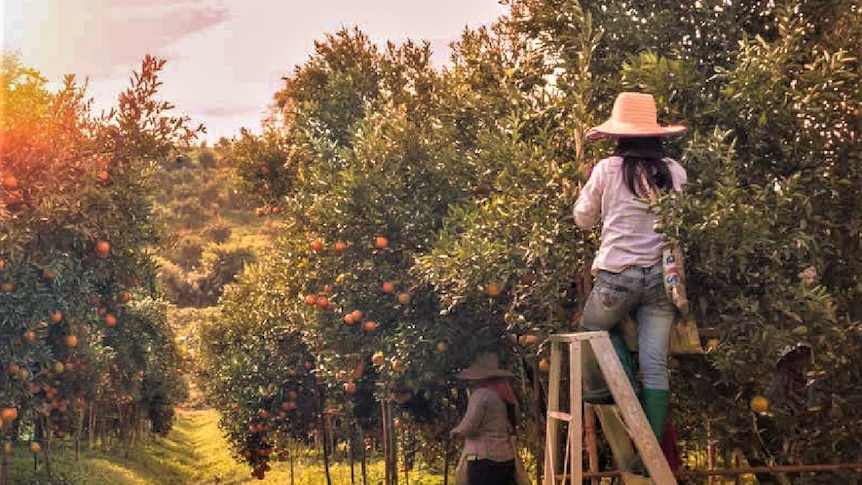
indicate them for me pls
(485, 427)
(628, 238)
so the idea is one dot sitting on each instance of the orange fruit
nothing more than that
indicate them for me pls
(493, 289)
(544, 365)
(71, 341)
(398, 365)
(12, 369)
(2, 264)
(387, 287)
(369, 326)
(759, 404)
(380, 242)
(348, 319)
(7, 286)
(349, 387)
(48, 273)
(442, 347)
(322, 302)
(316, 245)
(103, 176)
(29, 336)
(340, 246)
(10, 182)
(59, 367)
(110, 320)
(34, 447)
(712, 343)
(404, 298)
(310, 300)
(103, 249)
(276, 209)
(9, 414)
(57, 316)
(357, 315)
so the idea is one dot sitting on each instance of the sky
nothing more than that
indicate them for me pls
(225, 58)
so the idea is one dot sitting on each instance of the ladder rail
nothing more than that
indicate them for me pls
(625, 417)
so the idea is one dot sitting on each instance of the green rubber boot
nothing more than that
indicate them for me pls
(596, 390)
(656, 403)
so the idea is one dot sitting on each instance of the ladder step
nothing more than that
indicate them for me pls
(559, 415)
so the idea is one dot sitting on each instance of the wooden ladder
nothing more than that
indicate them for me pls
(622, 423)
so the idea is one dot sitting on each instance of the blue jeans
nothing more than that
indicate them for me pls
(639, 291)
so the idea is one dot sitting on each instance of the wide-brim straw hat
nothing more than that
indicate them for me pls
(633, 115)
(484, 366)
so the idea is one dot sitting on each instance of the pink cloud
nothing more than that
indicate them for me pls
(97, 38)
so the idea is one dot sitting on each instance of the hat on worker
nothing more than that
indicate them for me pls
(485, 366)
(633, 115)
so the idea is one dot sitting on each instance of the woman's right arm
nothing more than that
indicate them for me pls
(473, 417)
(588, 208)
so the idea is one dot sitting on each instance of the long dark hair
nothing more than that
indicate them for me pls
(647, 152)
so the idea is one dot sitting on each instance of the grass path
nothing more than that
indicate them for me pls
(194, 453)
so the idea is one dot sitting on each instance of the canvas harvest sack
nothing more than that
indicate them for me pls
(684, 336)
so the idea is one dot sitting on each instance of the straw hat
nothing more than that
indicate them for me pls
(485, 366)
(634, 115)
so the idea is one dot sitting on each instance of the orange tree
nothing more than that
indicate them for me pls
(469, 174)
(75, 266)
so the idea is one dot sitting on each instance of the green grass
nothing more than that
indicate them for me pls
(194, 453)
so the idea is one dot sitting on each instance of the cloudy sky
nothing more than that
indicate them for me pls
(225, 57)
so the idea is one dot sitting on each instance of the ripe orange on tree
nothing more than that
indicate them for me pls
(369, 326)
(310, 300)
(110, 320)
(34, 447)
(10, 182)
(348, 319)
(759, 404)
(322, 302)
(441, 346)
(387, 287)
(380, 242)
(103, 249)
(9, 414)
(48, 273)
(103, 176)
(357, 315)
(57, 316)
(316, 245)
(340, 246)
(29, 336)
(493, 289)
(544, 365)
(404, 298)
(2, 264)
(71, 341)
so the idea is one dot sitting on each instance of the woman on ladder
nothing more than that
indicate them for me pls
(628, 264)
